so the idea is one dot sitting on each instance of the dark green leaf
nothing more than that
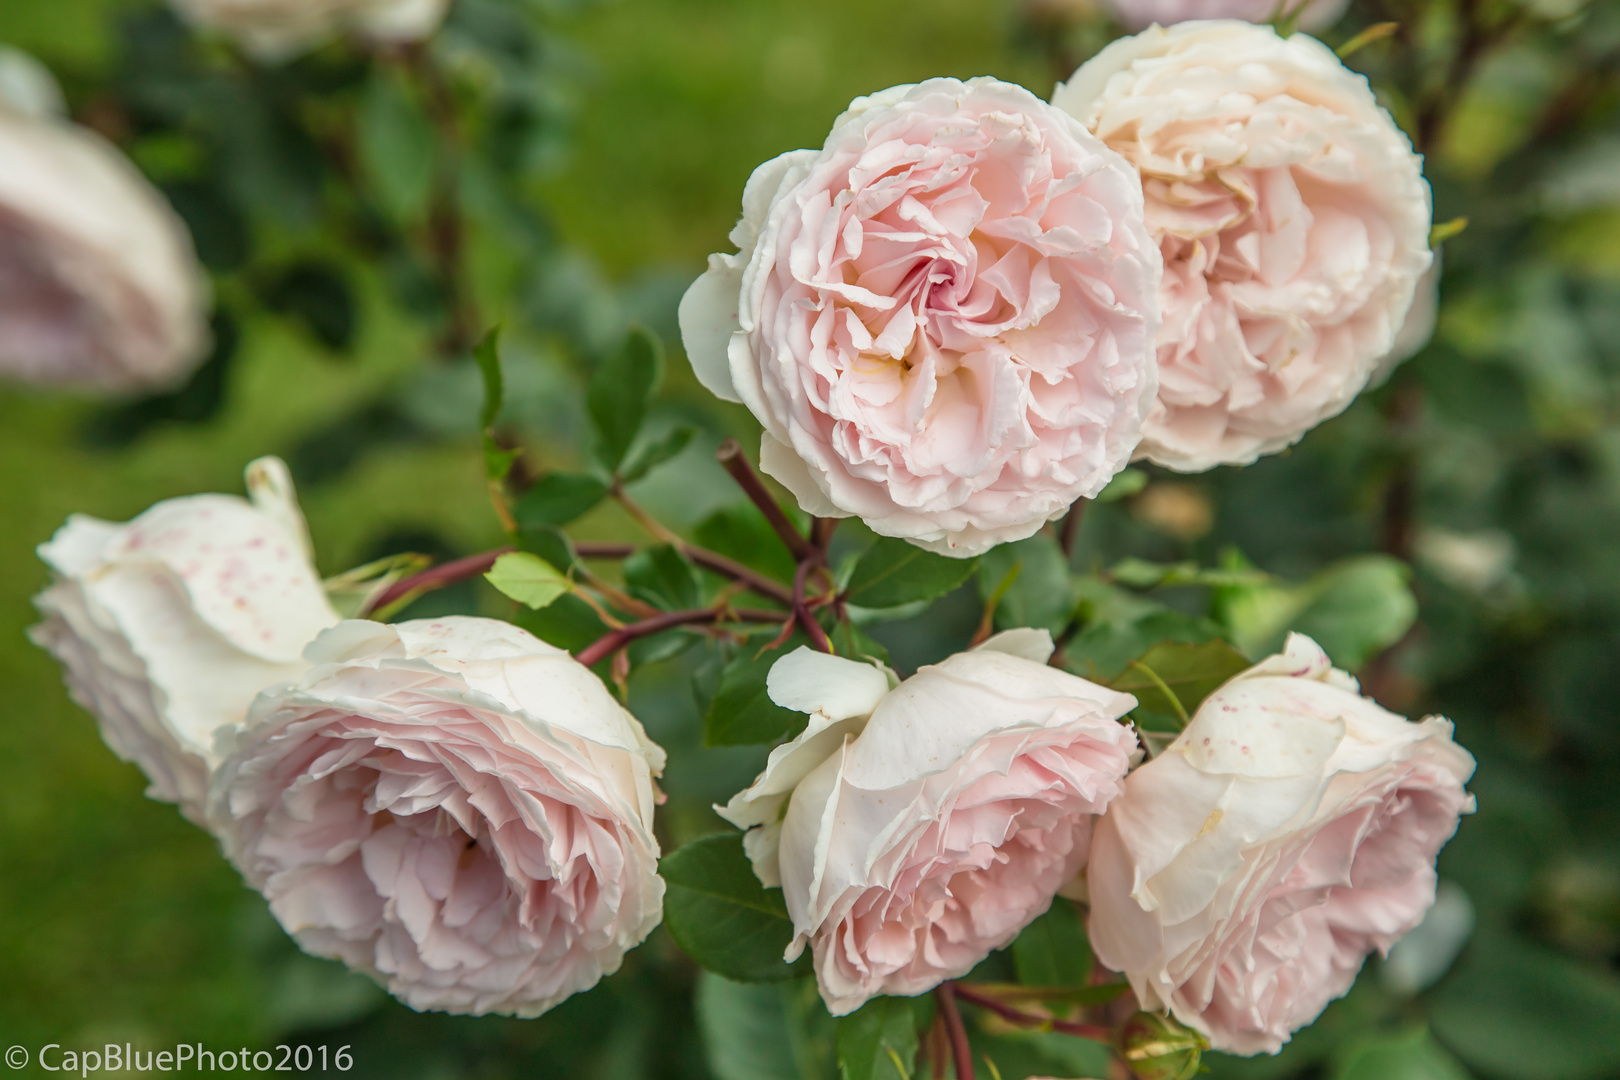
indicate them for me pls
(741, 713)
(1410, 1055)
(1040, 596)
(746, 1030)
(878, 1041)
(894, 572)
(719, 913)
(741, 532)
(1354, 609)
(549, 543)
(661, 576)
(528, 579)
(619, 393)
(398, 147)
(488, 355)
(1119, 627)
(655, 453)
(1192, 672)
(558, 498)
(568, 623)
(318, 295)
(1053, 950)
(851, 641)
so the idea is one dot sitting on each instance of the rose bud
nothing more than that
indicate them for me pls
(273, 30)
(1141, 14)
(169, 625)
(1288, 832)
(944, 318)
(99, 283)
(452, 807)
(1294, 220)
(914, 828)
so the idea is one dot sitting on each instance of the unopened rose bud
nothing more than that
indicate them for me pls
(1157, 1048)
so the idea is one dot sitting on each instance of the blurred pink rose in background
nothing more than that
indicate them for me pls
(943, 318)
(915, 829)
(1290, 830)
(453, 807)
(168, 626)
(100, 288)
(1294, 220)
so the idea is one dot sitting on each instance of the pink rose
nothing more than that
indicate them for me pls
(1294, 219)
(914, 828)
(1288, 832)
(453, 807)
(943, 318)
(168, 626)
(1140, 14)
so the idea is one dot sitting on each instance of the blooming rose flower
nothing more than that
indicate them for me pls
(1140, 14)
(99, 283)
(1294, 219)
(943, 318)
(277, 29)
(915, 827)
(453, 807)
(169, 625)
(1288, 832)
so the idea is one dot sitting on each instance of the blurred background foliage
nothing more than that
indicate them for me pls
(563, 168)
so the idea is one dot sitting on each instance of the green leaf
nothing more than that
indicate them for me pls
(655, 453)
(740, 532)
(528, 579)
(619, 393)
(1127, 483)
(497, 460)
(1041, 595)
(851, 641)
(745, 1030)
(1354, 609)
(894, 572)
(399, 150)
(661, 576)
(558, 498)
(1053, 950)
(1522, 1012)
(1142, 574)
(878, 1041)
(567, 622)
(1192, 672)
(722, 917)
(1120, 626)
(741, 713)
(1409, 1055)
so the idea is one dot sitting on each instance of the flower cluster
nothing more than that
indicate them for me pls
(965, 312)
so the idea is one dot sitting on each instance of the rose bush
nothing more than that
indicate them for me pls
(1291, 830)
(914, 828)
(1294, 221)
(277, 29)
(168, 626)
(99, 283)
(943, 318)
(453, 807)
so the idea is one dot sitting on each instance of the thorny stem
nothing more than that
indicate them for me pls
(961, 1052)
(609, 644)
(731, 457)
(1031, 1020)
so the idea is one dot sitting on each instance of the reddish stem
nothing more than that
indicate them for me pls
(961, 1051)
(608, 644)
(1024, 1019)
(736, 571)
(731, 457)
(801, 607)
(437, 577)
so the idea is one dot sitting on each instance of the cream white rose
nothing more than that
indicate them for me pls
(168, 626)
(943, 319)
(1290, 831)
(99, 282)
(453, 807)
(277, 29)
(914, 828)
(1294, 220)
(1140, 14)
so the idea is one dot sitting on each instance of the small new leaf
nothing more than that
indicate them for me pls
(722, 917)
(894, 572)
(528, 579)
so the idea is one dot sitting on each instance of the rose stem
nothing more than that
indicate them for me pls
(801, 607)
(1070, 532)
(1024, 1019)
(608, 644)
(730, 456)
(715, 561)
(961, 1052)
